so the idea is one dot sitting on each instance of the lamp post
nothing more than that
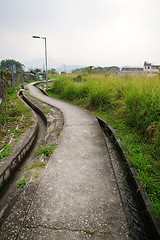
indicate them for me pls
(45, 58)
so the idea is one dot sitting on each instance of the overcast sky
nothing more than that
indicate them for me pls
(81, 32)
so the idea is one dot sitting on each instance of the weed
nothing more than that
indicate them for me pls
(35, 175)
(91, 232)
(39, 100)
(46, 151)
(36, 165)
(58, 133)
(22, 183)
(45, 111)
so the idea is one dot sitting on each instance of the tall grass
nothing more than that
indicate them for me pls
(131, 104)
(138, 96)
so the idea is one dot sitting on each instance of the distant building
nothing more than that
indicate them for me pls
(148, 68)
(151, 69)
(131, 70)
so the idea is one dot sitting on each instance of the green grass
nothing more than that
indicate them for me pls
(15, 132)
(131, 105)
(10, 116)
(6, 152)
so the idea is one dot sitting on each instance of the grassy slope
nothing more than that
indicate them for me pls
(11, 113)
(130, 104)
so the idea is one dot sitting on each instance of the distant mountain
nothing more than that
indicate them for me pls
(67, 68)
(40, 63)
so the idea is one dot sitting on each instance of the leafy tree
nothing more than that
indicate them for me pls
(52, 71)
(97, 70)
(90, 69)
(38, 70)
(35, 70)
(6, 64)
(112, 69)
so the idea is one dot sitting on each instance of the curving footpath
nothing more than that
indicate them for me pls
(78, 197)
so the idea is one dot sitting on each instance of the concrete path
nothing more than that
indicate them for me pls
(78, 197)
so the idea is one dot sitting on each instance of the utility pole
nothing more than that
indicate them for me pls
(13, 71)
(45, 58)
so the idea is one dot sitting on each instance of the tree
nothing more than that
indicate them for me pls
(52, 71)
(112, 69)
(90, 69)
(6, 64)
(97, 70)
(35, 70)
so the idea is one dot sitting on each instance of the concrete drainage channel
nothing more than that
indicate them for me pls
(11, 164)
(11, 167)
(145, 209)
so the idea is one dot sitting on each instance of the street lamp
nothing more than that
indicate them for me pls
(45, 58)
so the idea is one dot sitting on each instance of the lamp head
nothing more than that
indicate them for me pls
(35, 37)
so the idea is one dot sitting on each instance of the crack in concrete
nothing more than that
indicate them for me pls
(89, 232)
(83, 124)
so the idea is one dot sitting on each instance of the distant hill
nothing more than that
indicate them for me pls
(67, 68)
(40, 63)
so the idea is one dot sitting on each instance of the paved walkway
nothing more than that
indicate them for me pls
(78, 196)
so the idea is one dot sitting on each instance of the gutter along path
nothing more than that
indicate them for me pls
(78, 196)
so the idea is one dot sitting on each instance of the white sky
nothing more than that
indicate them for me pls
(83, 32)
